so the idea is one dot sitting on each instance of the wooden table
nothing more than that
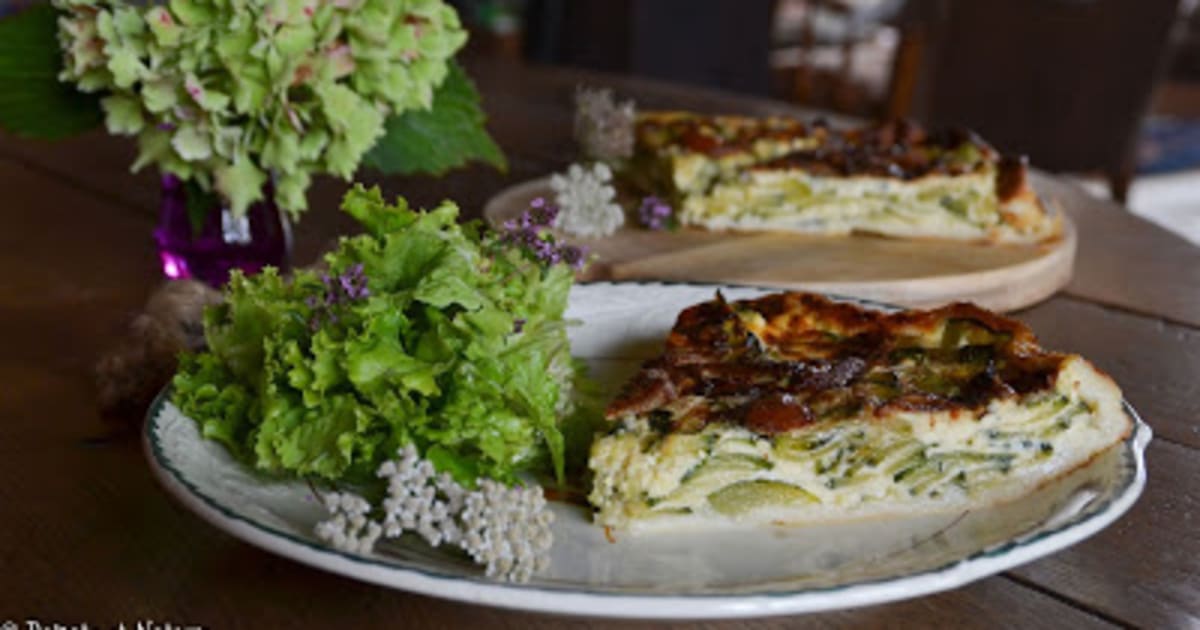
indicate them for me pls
(88, 536)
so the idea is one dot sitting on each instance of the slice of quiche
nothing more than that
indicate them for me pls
(894, 179)
(792, 408)
(677, 154)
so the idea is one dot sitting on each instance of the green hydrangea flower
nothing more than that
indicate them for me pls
(226, 92)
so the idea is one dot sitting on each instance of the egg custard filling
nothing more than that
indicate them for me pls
(792, 408)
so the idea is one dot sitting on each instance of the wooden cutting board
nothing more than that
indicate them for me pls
(905, 272)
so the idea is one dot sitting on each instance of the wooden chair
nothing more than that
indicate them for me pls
(826, 26)
(1066, 82)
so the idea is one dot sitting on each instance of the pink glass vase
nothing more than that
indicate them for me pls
(211, 248)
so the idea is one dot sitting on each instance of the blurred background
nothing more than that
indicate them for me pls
(1105, 90)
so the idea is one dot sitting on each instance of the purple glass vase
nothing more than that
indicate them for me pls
(209, 249)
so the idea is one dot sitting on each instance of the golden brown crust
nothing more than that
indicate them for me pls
(1012, 174)
(711, 135)
(899, 149)
(788, 359)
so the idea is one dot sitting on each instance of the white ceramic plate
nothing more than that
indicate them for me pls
(772, 571)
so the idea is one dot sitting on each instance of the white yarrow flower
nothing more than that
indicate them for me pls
(604, 128)
(505, 529)
(585, 199)
(349, 529)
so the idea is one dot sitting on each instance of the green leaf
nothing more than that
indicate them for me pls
(446, 136)
(236, 329)
(367, 207)
(241, 183)
(289, 191)
(294, 40)
(123, 115)
(154, 145)
(200, 203)
(192, 143)
(190, 12)
(166, 31)
(159, 95)
(282, 149)
(356, 122)
(125, 67)
(222, 408)
(464, 469)
(302, 378)
(33, 103)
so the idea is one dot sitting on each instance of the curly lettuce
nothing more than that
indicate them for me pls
(420, 331)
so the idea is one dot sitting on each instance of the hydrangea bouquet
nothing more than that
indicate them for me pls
(231, 94)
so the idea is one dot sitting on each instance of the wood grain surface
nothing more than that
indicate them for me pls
(916, 273)
(89, 536)
(1132, 264)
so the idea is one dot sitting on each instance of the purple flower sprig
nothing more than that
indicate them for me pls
(350, 286)
(531, 234)
(352, 283)
(656, 214)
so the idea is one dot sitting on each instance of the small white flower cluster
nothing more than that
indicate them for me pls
(349, 529)
(418, 500)
(585, 199)
(603, 127)
(507, 529)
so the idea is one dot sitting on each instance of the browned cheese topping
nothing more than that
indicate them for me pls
(900, 149)
(712, 135)
(782, 361)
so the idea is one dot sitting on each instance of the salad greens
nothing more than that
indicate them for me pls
(420, 331)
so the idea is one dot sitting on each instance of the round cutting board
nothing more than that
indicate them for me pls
(908, 272)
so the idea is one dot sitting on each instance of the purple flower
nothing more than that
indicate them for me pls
(530, 233)
(575, 257)
(349, 286)
(541, 213)
(655, 214)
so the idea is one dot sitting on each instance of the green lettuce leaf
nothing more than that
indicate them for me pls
(303, 378)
